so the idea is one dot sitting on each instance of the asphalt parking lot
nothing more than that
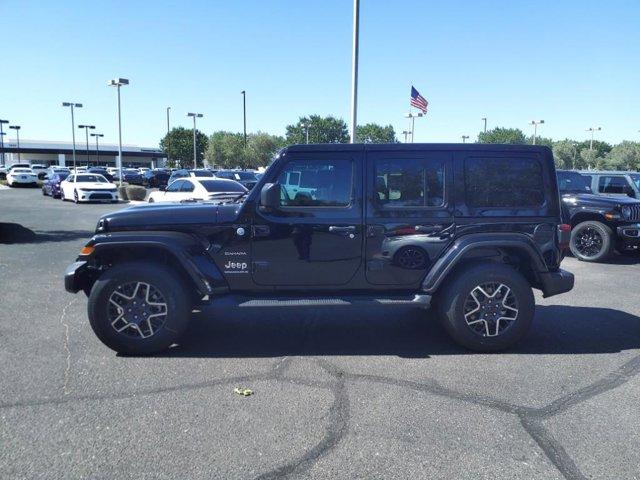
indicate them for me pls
(337, 393)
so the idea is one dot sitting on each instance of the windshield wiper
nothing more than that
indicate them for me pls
(234, 200)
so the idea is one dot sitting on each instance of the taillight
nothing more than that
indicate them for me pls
(564, 235)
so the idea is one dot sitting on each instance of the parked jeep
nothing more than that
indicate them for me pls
(600, 223)
(466, 229)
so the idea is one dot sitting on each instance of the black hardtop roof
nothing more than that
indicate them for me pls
(354, 147)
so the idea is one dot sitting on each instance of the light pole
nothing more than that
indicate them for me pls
(354, 70)
(119, 82)
(535, 124)
(73, 128)
(17, 129)
(592, 129)
(97, 135)
(194, 115)
(575, 154)
(168, 137)
(406, 133)
(484, 119)
(412, 117)
(244, 115)
(2, 139)
(464, 138)
(306, 126)
(86, 132)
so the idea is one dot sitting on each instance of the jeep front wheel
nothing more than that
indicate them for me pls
(138, 308)
(591, 241)
(486, 307)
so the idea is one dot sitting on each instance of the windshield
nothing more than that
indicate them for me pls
(636, 179)
(221, 186)
(240, 175)
(22, 170)
(573, 182)
(91, 178)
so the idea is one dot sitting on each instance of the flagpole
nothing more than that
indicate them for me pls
(354, 70)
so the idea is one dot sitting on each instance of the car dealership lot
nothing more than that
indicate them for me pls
(338, 392)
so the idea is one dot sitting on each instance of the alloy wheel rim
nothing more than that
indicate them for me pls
(137, 309)
(589, 242)
(490, 309)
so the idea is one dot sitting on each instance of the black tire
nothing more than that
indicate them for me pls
(151, 200)
(44, 192)
(454, 296)
(591, 241)
(167, 283)
(62, 195)
(75, 196)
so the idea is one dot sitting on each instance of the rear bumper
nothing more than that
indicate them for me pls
(555, 283)
(73, 276)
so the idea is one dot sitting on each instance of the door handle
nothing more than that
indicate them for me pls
(343, 230)
(428, 228)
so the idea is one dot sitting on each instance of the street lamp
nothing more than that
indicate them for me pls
(194, 115)
(119, 82)
(413, 116)
(97, 135)
(17, 129)
(86, 131)
(464, 138)
(73, 105)
(354, 70)
(592, 129)
(406, 133)
(168, 137)
(484, 119)
(306, 126)
(244, 115)
(2, 139)
(535, 124)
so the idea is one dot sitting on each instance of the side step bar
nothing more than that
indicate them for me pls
(421, 301)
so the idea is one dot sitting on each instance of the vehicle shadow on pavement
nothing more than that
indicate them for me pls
(409, 333)
(16, 233)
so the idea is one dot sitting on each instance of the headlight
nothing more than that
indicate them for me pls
(626, 212)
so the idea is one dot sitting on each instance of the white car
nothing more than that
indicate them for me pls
(22, 176)
(88, 187)
(143, 169)
(204, 188)
(19, 165)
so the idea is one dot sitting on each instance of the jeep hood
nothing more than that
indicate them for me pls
(169, 216)
(599, 200)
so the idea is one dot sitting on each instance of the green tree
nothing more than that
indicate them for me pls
(624, 156)
(601, 148)
(321, 130)
(546, 141)
(374, 133)
(502, 135)
(262, 147)
(590, 159)
(566, 154)
(227, 149)
(178, 145)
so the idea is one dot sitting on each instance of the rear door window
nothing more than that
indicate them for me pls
(613, 184)
(504, 182)
(410, 182)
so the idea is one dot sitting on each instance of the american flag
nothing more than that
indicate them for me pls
(418, 100)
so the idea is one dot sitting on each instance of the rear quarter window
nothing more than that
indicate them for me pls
(504, 182)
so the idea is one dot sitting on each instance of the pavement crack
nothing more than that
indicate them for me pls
(613, 380)
(554, 451)
(67, 371)
(339, 414)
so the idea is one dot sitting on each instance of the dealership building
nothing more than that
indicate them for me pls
(61, 153)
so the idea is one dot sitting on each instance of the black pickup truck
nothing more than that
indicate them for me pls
(600, 223)
(466, 229)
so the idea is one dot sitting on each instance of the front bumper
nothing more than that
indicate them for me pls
(555, 283)
(629, 236)
(74, 276)
(97, 196)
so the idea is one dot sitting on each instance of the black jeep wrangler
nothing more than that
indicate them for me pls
(600, 223)
(469, 229)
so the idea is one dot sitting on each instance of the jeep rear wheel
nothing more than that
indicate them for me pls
(486, 307)
(591, 241)
(138, 308)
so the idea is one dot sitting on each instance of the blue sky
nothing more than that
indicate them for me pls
(571, 63)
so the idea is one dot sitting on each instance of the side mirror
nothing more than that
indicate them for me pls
(270, 196)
